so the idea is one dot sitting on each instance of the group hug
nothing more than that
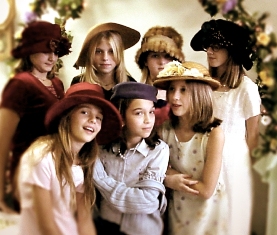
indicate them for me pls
(168, 153)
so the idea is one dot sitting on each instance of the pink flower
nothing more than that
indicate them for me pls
(229, 5)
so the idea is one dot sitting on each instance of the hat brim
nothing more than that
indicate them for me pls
(129, 38)
(111, 124)
(196, 42)
(163, 83)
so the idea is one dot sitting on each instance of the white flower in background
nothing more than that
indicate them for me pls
(266, 120)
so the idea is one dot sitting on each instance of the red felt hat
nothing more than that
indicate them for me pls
(42, 37)
(81, 93)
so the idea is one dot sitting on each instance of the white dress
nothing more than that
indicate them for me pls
(234, 108)
(189, 214)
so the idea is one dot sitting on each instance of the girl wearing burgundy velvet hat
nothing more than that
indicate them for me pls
(27, 96)
(102, 56)
(130, 170)
(55, 174)
(237, 102)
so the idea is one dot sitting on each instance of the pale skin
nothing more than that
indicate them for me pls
(86, 121)
(104, 62)
(219, 59)
(9, 119)
(204, 187)
(139, 120)
(155, 62)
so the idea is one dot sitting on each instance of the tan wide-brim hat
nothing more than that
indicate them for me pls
(129, 38)
(176, 71)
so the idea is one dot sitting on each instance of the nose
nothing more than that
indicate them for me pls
(210, 50)
(146, 118)
(176, 95)
(92, 119)
(105, 56)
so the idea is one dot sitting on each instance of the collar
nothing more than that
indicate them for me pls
(142, 147)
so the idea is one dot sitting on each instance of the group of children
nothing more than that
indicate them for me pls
(118, 156)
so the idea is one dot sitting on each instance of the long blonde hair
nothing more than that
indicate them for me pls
(59, 145)
(90, 73)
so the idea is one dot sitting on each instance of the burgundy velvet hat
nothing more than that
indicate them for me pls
(82, 93)
(42, 37)
(134, 90)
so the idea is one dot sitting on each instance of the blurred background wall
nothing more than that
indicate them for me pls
(186, 16)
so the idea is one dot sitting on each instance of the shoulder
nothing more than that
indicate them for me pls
(248, 84)
(216, 134)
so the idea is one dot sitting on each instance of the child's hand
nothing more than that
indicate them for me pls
(180, 182)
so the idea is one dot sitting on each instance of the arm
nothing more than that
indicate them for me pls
(212, 167)
(180, 182)
(8, 124)
(43, 209)
(84, 217)
(123, 198)
(252, 132)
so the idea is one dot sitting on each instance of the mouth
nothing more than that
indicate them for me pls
(90, 129)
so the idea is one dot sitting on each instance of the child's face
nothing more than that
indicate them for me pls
(155, 61)
(85, 123)
(178, 98)
(43, 62)
(139, 119)
(103, 59)
(217, 58)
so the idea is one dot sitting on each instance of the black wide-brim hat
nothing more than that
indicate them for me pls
(82, 93)
(235, 38)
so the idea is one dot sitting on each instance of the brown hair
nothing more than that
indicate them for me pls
(233, 75)
(200, 107)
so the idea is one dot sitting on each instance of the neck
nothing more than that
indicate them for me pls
(40, 76)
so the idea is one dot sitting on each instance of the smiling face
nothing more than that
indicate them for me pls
(103, 59)
(139, 119)
(43, 62)
(85, 123)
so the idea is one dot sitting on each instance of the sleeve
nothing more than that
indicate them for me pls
(252, 100)
(123, 198)
(41, 173)
(12, 98)
(157, 166)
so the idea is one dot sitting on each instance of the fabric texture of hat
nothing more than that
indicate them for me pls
(129, 37)
(42, 37)
(82, 93)
(188, 70)
(226, 34)
(134, 90)
(161, 39)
